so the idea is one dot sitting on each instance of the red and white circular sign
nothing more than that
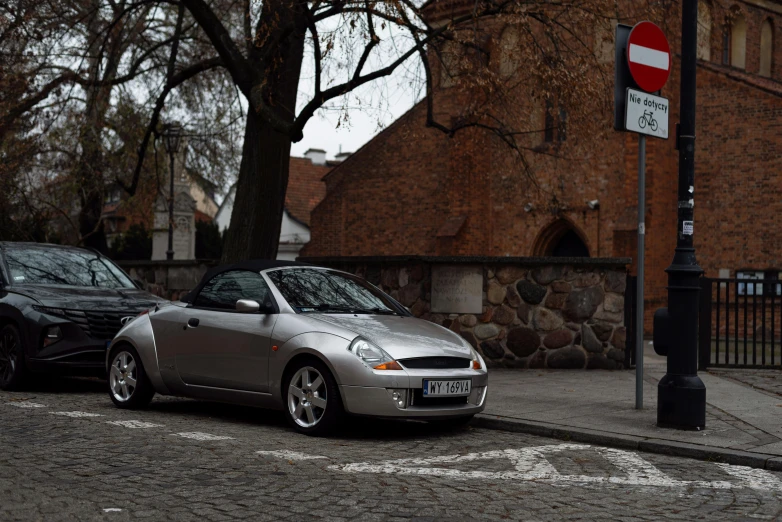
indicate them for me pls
(649, 56)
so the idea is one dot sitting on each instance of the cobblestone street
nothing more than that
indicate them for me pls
(69, 454)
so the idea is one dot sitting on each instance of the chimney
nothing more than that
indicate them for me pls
(342, 156)
(316, 156)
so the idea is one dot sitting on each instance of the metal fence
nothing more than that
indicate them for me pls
(740, 323)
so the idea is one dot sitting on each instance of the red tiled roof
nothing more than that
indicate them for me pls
(305, 188)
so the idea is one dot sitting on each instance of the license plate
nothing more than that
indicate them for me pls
(434, 388)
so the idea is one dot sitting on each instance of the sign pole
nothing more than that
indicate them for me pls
(639, 294)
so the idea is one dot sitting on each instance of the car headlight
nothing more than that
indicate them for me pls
(477, 360)
(49, 310)
(373, 356)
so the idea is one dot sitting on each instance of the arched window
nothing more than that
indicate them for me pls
(510, 55)
(766, 48)
(560, 239)
(704, 30)
(738, 42)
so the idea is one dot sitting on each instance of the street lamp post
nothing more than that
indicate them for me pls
(681, 394)
(172, 138)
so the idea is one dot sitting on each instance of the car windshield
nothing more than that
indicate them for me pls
(62, 267)
(313, 290)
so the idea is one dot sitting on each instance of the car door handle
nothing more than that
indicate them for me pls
(192, 322)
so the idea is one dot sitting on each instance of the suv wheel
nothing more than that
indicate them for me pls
(12, 368)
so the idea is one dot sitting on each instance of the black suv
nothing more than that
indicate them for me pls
(59, 309)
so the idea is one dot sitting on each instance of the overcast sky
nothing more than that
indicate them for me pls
(321, 131)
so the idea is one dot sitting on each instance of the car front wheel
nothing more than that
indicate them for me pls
(129, 386)
(312, 402)
(12, 368)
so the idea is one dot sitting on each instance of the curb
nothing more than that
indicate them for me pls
(630, 442)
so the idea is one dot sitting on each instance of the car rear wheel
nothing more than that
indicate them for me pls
(312, 402)
(12, 370)
(129, 386)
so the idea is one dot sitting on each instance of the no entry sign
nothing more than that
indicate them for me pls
(648, 56)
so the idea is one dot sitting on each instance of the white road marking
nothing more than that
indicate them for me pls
(134, 424)
(531, 464)
(197, 435)
(649, 57)
(26, 404)
(111, 510)
(290, 455)
(75, 414)
(752, 477)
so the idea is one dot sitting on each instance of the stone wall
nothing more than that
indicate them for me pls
(169, 279)
(536, 312)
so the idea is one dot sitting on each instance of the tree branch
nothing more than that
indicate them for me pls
(179, 78)
(28, 103)
(239, 67)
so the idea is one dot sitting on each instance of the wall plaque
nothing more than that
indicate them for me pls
(457, 289)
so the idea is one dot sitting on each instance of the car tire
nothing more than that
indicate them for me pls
(312, 403)
(13, 372)
(453, 424)
(129, 386)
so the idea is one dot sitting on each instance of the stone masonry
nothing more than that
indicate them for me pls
(537, 312)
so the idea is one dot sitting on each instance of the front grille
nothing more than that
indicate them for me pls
(100, 325)
(435, 363)
(420, 400)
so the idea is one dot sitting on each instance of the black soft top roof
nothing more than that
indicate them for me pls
(253, 265)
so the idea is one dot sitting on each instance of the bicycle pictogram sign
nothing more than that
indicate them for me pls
(648, 119)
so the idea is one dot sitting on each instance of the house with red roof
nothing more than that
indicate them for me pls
(305, 190)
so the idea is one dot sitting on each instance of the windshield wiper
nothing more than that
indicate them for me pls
(378, 310)
(324, 307)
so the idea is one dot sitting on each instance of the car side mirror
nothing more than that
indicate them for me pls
(139, 284)
(247, 306)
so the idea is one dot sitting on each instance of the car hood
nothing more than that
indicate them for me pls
(80, 298)
(401, 337)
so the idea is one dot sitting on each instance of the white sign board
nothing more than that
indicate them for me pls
(457, 289)
(646, 114)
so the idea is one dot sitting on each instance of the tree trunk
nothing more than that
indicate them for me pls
(259, 202)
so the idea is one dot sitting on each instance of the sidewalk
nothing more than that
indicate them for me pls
(743, 411)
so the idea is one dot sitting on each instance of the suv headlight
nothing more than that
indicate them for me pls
(373, 356)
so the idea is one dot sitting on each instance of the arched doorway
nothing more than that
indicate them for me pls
(560, 239)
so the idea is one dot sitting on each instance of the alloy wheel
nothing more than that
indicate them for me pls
(123, 376)
(8, 349)
(307, 397)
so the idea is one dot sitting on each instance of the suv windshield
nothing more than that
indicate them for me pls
(313, 290)
(62, 266)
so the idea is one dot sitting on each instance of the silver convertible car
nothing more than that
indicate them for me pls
(315, 342)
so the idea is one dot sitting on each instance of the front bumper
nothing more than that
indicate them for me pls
(380, 402)
(75, 353)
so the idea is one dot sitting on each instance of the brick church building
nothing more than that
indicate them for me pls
(413, 190)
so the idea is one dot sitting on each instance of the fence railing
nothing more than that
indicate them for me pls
(740, 323)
